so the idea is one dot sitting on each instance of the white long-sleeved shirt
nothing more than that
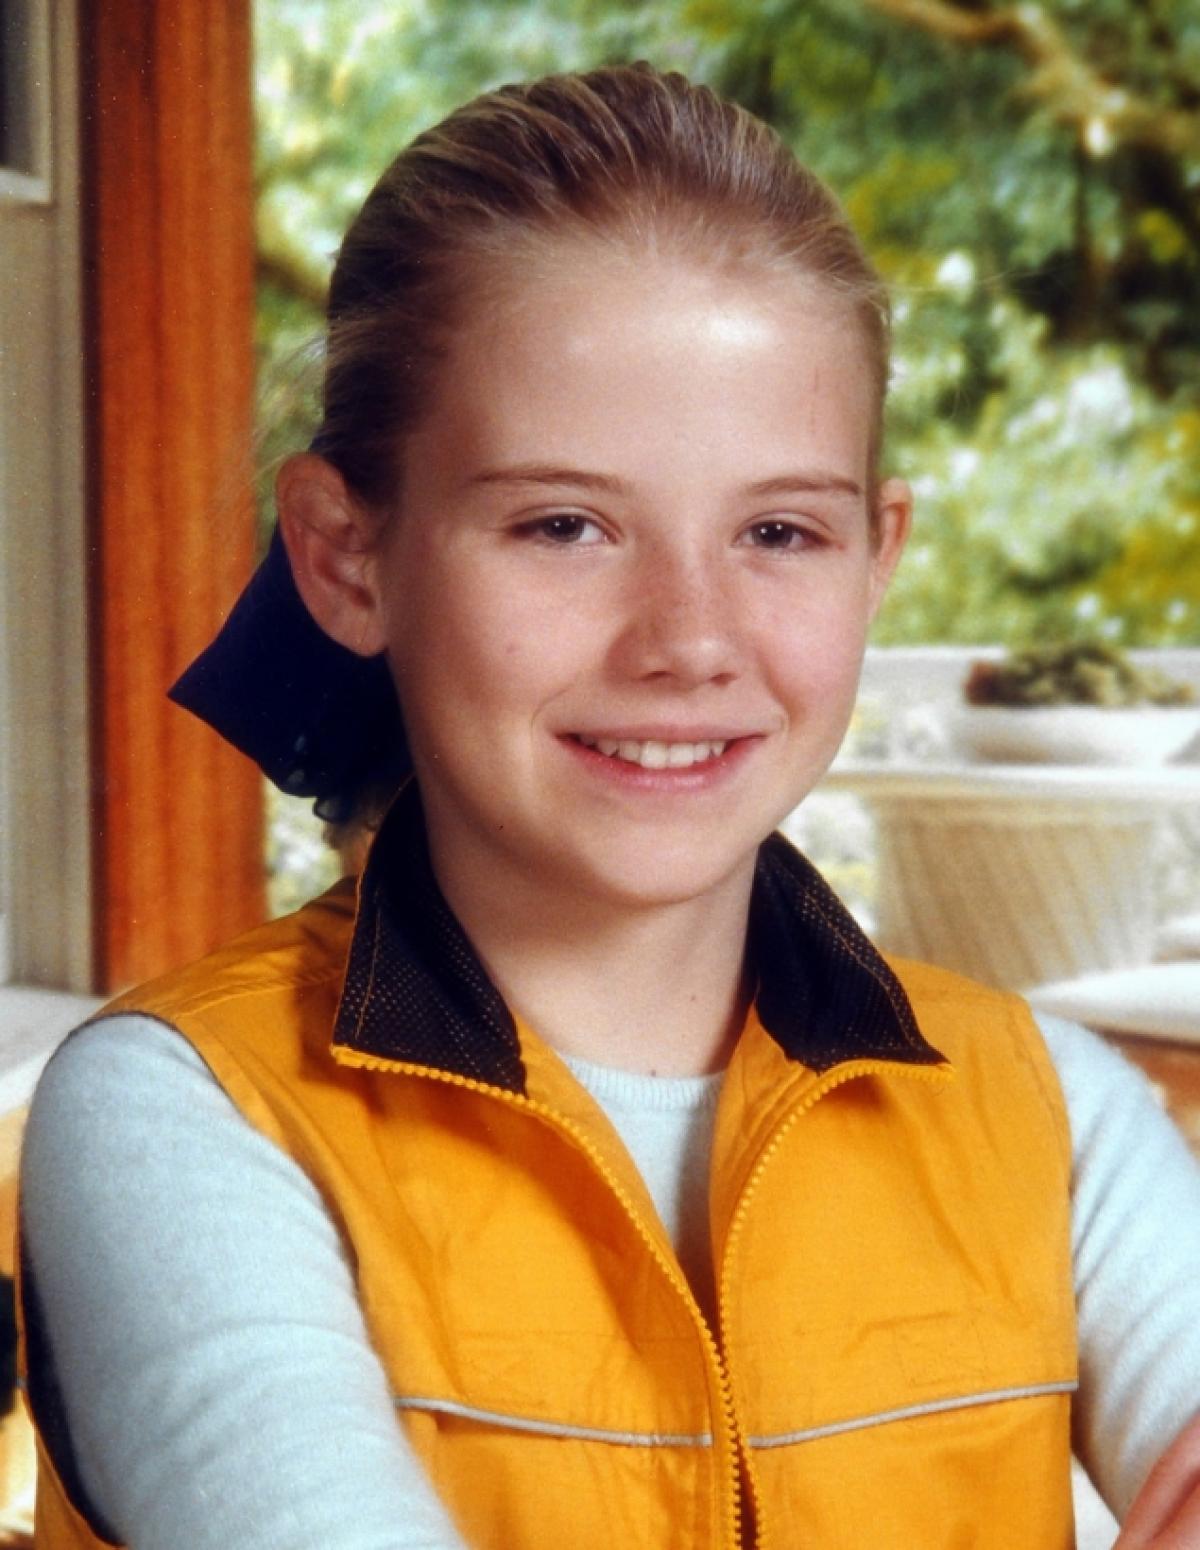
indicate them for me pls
(220, 1386)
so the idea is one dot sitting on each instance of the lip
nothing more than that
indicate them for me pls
(666, 732)
(623, 774)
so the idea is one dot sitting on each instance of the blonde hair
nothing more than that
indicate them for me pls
(625, 154)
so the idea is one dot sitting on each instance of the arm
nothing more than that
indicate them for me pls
(1136, 1231)
(217, 1375)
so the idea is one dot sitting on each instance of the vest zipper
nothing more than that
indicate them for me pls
(578, 1136)
(820, 1088)
(741, 1467)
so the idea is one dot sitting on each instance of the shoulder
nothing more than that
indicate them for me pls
(1095, 1077)
(112, 1088)
(976, 1026)
(129, 1133)
(302, 951)
(1004, 1068)
(946, 997)
(233, 1032)
(1122, 1140)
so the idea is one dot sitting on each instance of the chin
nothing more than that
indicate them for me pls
(650, 877)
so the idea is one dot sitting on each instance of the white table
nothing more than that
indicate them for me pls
(1017, 874)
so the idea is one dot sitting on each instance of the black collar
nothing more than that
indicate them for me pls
(415, 990)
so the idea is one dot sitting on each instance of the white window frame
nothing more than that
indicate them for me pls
(45, 865)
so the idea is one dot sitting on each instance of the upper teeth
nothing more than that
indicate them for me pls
(653, 755)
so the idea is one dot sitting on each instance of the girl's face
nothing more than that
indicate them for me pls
(626, 599)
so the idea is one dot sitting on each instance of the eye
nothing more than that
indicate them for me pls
(563, 529)
(779, 534)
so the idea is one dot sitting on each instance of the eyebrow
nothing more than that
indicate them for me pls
(807, 482)
(545, 473)
(803, 481)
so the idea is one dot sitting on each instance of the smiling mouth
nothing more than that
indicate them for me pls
(653, 755)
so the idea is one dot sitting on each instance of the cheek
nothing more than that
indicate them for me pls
(521, 638)
(813, 644)
(463, 666)
(818, 682)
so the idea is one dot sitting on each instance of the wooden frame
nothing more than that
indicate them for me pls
(167, 136)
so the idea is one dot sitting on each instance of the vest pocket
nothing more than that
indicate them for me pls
(984, 1472)
(517, 1485)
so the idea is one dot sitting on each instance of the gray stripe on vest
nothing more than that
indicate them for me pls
(520, 1423)
(906, 1412)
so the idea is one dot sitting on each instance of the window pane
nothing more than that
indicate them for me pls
(17, 138)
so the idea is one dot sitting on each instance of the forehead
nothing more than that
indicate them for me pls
(591, 351)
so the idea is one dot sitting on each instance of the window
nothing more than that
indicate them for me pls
(25, 87)
(45, 949)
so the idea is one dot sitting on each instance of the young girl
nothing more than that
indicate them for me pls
(586, 1177)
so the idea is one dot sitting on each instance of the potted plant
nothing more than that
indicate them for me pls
(1083, 702)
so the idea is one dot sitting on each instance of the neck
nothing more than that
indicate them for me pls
(659, 988)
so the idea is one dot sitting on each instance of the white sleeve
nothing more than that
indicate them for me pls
(1136, 1234)
(217, 1377)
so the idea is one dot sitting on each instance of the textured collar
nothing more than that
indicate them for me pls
(415, 990)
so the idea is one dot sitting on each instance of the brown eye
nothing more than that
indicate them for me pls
(776, 534)
(565, 529)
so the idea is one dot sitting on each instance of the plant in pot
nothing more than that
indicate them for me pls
(1083, 702)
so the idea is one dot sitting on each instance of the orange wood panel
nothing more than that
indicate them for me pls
(168, 147)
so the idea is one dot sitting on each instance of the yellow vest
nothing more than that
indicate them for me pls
(894, 1356)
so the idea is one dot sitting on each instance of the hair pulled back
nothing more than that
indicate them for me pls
(622, 154)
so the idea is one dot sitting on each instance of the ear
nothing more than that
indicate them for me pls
(893, 521)
(329, 542)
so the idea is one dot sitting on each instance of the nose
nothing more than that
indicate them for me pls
(681, 620)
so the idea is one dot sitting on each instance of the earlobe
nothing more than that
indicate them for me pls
(893, 521)
(328, 539)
